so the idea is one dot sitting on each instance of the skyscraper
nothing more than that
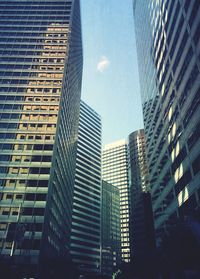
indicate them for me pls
(138, 165)
(110, 229)
(115, 171)
(86, 218)
(141, 218)
(41, 69)
(167, 34)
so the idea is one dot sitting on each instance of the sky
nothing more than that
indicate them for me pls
(110, 82)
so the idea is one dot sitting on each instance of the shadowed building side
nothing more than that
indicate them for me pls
(167, 35)
(86, 218)
(110, 229)
(142, 237)
(41, 71)
(115, 171)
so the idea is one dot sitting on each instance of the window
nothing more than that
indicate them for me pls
(14, 213)
(32, 183)
(36, 158)
(41, 197)
(196, 165)
(30, 197)
(48, 147)
(194, 136)
(38, 147)
(5, 211)
(194, 12)
(23, 170)
(4, 158)
(183, 181)
(43, 183)
(34, 170)
(44, 170)
(3, 169)
(180, 51)
(19, 197)
(39, 211)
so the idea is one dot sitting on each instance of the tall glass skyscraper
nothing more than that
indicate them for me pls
(168, 44)
(86, 218)
(40, 73)
(142, 237)
(138, 161)
(115, 171)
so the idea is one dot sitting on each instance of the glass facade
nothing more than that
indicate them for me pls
(141, 219)
(115, 171)
(138, 166)
(40, 72)
(110, 229)
(86, 218)
(167, 34)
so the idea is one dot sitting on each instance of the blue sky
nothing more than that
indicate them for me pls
(110, 73)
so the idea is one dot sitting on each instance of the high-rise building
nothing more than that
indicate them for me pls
(41, 69)
(141, 218)
(86, 218)
(168, 43)
(110, 229)
(138, 165)
(115, 171)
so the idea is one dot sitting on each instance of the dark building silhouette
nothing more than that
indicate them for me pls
(142, 237)
(110, 229)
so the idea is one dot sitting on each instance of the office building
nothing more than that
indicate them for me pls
(115, 172)
(168, 44)
(138, 165)
(41, 69)
(142, 237)
(86, 218)
(110, 229)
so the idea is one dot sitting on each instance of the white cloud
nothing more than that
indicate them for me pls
(103, 64)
